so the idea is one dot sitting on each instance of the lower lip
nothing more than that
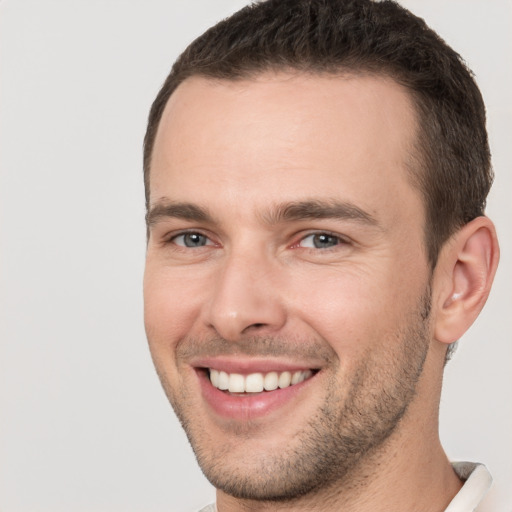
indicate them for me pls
(248, 406)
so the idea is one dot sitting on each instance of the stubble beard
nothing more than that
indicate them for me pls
(343, 434)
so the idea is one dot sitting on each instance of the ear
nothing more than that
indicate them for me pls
(464, 274)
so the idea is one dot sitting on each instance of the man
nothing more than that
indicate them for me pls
(316, 174)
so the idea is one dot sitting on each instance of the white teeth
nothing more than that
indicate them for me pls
(223, 383)
(256, 382)
(296, 377)
(236, 383)
(285, 379)
(214, 377)
(271, 381)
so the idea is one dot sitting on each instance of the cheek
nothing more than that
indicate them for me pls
(171, 306)
(351, 310)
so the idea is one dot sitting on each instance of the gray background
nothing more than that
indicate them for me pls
(84, 425)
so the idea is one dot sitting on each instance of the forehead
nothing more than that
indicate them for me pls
(285, 137)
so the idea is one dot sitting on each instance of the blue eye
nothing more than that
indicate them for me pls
(320, 241)
(191, 240)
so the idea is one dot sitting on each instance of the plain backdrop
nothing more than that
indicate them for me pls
(84, 425)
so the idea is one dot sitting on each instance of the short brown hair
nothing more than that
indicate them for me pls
(452, 165)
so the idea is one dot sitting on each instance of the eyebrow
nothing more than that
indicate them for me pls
(169, 209)
(319, 209)
(285, 212)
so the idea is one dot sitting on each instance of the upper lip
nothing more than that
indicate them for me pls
(248, 365)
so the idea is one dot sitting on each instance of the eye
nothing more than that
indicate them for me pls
(191, 240)
(320, 241)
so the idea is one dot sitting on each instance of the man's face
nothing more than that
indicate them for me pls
(286, 263)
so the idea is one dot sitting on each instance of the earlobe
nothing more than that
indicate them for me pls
(469, 261)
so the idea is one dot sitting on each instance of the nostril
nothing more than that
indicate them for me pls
(254, 326)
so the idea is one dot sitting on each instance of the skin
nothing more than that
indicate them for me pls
(365, 312)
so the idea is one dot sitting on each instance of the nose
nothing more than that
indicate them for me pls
(246, 298)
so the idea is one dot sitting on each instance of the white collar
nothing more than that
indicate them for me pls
(477, 482)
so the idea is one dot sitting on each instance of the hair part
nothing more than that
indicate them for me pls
(451, 163)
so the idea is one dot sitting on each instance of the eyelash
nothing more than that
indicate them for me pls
(172, 239)
(340, 240)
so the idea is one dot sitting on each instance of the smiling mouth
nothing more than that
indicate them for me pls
(256, 382)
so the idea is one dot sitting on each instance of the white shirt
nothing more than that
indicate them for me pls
(477, 481)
